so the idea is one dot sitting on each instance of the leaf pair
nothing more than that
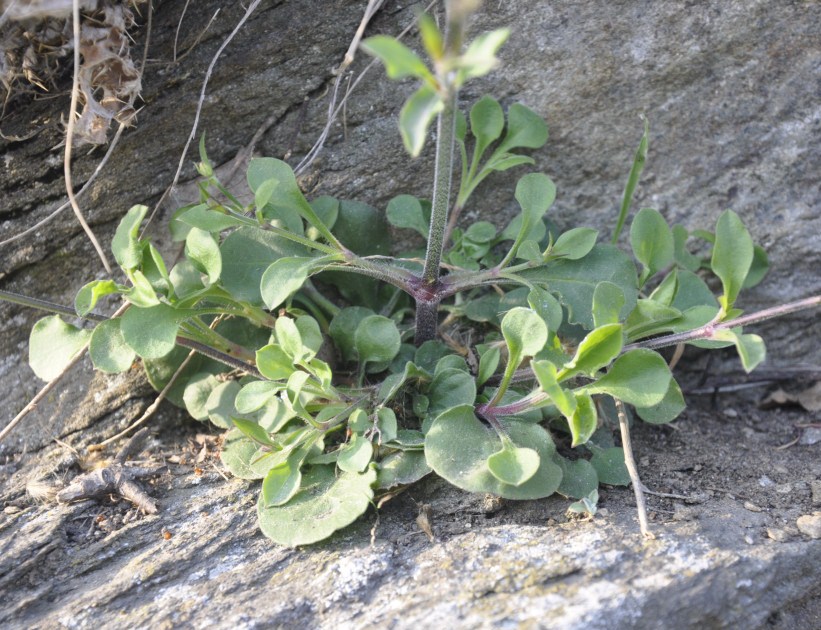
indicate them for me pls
(452, 70)
(525, 130)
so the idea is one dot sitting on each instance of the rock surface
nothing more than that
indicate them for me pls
(731, 90)
(202, 561)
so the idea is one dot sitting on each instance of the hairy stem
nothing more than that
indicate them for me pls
(703, 332)
(709, 329)
(427, 320)
(51, 307)
(443, 174)
(44, 305)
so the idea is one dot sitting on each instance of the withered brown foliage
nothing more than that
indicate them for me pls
(36, 43)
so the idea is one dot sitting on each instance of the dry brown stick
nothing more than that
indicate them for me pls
(632, 469)
(75, 95)
(114, 141)
(32, 404)
(150, 410)
(177, 32)
(77, 195)
(334, 109)
(251, 8)
(197, 39)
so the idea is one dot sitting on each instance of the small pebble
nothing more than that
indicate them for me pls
(810, 436)
(749, 539)
(764, 481)
(730, 412)
(815, 487)
(810, 525)
(684, 513)
(12, 509)
(752, 507)
(784, 488)
(778, 535)
(781, 469)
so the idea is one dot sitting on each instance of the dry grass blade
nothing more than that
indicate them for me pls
(75, 93)
(77, 195)
(333, 109)
(632, 469)
(251, 8)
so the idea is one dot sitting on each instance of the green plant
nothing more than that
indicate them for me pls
(320, 355)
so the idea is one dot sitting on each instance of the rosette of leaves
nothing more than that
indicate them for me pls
(322, 394)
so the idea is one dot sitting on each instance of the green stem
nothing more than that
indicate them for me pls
(708, 330)
(320, 300)
(703, 332)
(43, 305)
(221, 357)
(300, 239)
(442, 177)
(391, 274)
(533, 400)
(212, 338)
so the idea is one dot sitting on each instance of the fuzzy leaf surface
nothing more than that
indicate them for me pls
(246, 254)
(125, 247)
(52, 346)
(108, 350)
(575, 281)
(732, 256)
(458, 445)
(325, 503)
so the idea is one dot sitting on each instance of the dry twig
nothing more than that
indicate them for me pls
(116, 478)
(630, 462)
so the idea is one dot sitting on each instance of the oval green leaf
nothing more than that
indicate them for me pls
(640, 377)
(355, 456)
(458, 445)
(152, 331)
(652, 241)
(124, 245)
(732, 257)
(401, 469)
(524, 331)
(595, 351)
(376, 339)
(52, 346)
(283, 278)
(246, 254)
(326, 503)
(514, 465)
(415, 118)
(87, 297)
(610, 466)
(584, 420)
(108, 350)
(668, 409)
(281, 483)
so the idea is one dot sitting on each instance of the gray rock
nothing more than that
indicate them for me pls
(731, 90)
(810, 524)
(815, 488)
(810, 436)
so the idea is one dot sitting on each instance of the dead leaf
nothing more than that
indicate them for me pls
(810, 398)
(423, 520)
